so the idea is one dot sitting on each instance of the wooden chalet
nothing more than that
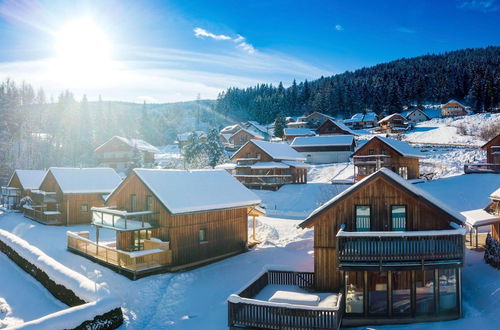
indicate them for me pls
(492, 164)
(268, 165)
(332, 127)
(325, 149)
(66, 195)
(170, 220)
(395, 155)
(416, 116)
(362, 120)
(119, 152)
(393, 123)
(242, 136)
(316, 119)
(291, 133)
(393, 251)
(453, 108)
(20, 185)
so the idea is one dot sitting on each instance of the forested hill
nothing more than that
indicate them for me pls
(469, 75)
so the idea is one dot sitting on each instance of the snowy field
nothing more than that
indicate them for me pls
(196, 299)
(22, 298)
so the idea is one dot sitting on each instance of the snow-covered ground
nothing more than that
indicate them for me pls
(22, 298)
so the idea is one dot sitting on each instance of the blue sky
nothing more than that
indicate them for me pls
(164, 51)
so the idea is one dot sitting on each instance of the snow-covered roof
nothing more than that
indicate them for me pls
(251, 132)
(226, 136)
(454, 101)
(407, 113)
(296, 164)
(386, 118)
(495, 194)
(278, 151)
(30, 179)
(357, 116)
(298, 131)
(183, 137)
(264, 165)
(403, 148)
(101, 180)
(342, 126)
(370, 116)
(226, 166)
(230, 129)
(323, 140)
(479, 218)
(399, 180)
(257, 126)
(197, 190)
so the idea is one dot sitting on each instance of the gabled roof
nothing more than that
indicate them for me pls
(490, 141)
(196, 191)
(231, 128)
(298, 131)
(495, 194)
(29, 179)
(278, 151)
(390, 117)
(320, 114)
(323, 140)
(395, 178)
(340, 125)
(252, 133)
(370, 116)
(257, 126)
(183, 137)
(401, 147)
(408, 113)
(454, 101)
(133, 143)
(100, 180)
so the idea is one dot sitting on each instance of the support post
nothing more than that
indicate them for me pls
(477, 238)
(97, 241)
(254, 225)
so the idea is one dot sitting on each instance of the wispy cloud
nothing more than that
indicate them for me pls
(202, 33)
(480, 5)
(403, 29)
(243, 44)
(339, 27)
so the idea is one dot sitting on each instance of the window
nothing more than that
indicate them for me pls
(377, 292)
(202, 235)
(133, 202)
(257, 155)
(425, 291)
(398, 217)
(384, 152)
(371, 152)
(149, 203)
(354, 285)
(363, 217)
(447, 291)
(403, 171)
(84, 208)
(401, 284)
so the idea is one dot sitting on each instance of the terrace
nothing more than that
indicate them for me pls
(44, 208)
(282, 300)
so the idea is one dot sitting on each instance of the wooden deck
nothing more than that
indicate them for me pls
(249, 313)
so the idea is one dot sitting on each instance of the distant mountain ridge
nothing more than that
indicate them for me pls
(471, 76)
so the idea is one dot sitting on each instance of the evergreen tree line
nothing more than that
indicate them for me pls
(469, 75)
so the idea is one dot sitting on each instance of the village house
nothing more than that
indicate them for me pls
(316, 118)
(416, 116)
(297, 124)
(183, 138)
(325, 149)
(291, 133)
(267, 165)
(168, 220)
(395, 155)
(332, 127)
(492, 164)
(453, 108)
(120, 153)
(66, 195)
(241, 137)
(20, 185)
(362, 120)
(257, 129)
(393, 123)
(384, 252)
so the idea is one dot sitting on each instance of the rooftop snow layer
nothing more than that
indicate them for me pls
(251, 132)
(401, 147)
(479, 217)
(342, 126)
(86, 180)
(396, 177)
(495, 194)
(279, 151)
(298, 131)
(324, 140)
(389, 117)
(30, 179)
(197, 190)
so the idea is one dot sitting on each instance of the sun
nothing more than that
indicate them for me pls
(82, 49)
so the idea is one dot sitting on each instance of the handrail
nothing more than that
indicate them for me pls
(425, 233)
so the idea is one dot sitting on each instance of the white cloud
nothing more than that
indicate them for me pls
(481, 5)
(339, 27)
(247, 47)
(200, 33)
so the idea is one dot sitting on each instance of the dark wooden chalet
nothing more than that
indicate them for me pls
(66, 195)
(268, 165)
(380, 152)
(492, 164)
(393, 123)
(119, 153)
(394, 251)
(20, 185)
(331, 127)
(171, 219)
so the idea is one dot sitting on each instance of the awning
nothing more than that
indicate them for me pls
(479, 218)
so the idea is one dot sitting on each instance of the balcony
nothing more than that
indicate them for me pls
(374, 160)
(400, 246)
(481, 168)
(122, 220)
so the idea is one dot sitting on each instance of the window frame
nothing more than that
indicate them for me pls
(86, 208)
(391, 207)
(205, 239)
(356, 217)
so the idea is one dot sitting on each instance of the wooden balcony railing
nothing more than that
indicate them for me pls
(43, 216)
(401, 246)
(246, 312)
(375, 160)
(481, 168)
(263, 180)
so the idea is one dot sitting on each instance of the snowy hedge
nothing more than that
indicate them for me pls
(93, 306)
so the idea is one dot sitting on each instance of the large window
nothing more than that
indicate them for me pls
(354, 285)
(202, 236)
(377, 293)
(447, 291)
(362, 217)
(425, 291)
(398, 217)
(401, 292)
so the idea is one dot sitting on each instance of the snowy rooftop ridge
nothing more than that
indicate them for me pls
(343, 126)
(30, 179)
(401, 147)
(197, 190)
(278, 151)
(133, 143)
(100, 180)
(495, 194)
(390, 116)
(399, 180)
(323, 140)
(251, 132)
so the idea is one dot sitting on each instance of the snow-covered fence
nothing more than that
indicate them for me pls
(92, 306)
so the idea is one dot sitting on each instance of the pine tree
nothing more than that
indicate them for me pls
(214, 148)
(193, 153)
(279, 125)
(137, 159)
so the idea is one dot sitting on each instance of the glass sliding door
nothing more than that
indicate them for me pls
(377, 293)
(354, 288)
(447, 291)
(425, 292)
(401, 292)
(363, 218)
